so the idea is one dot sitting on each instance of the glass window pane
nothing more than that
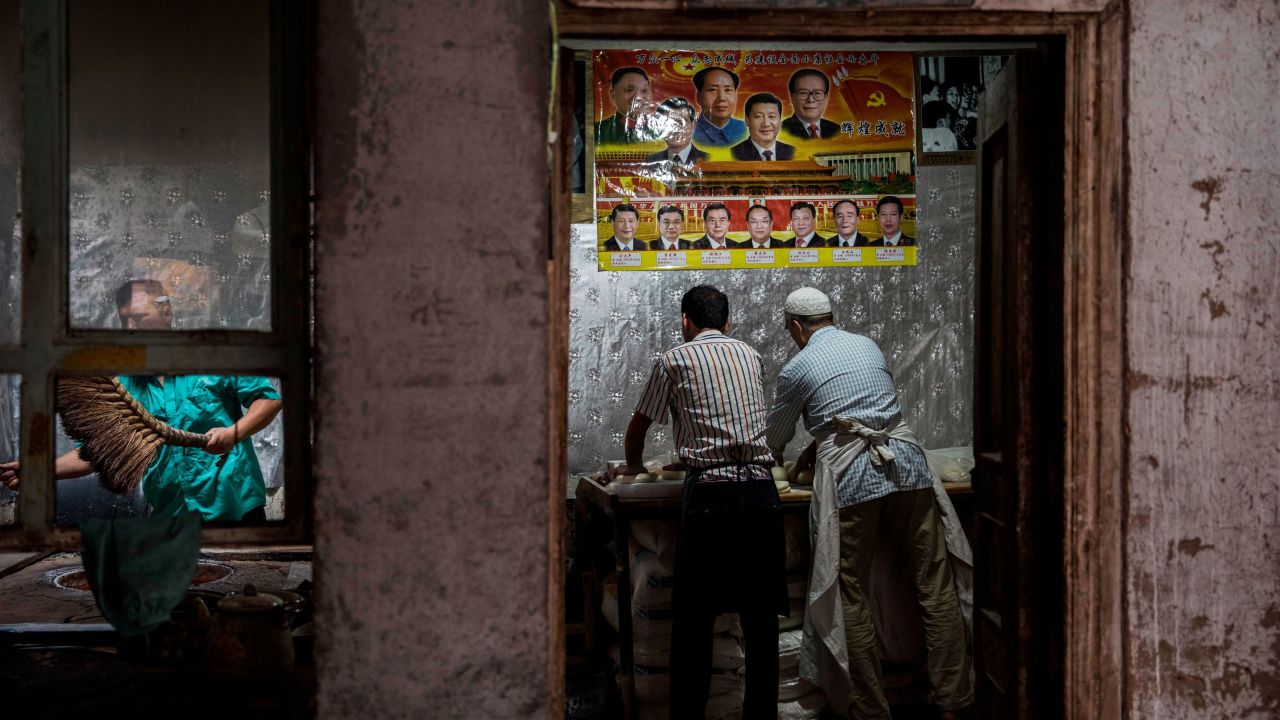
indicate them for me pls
(10, 166)
(169, 125)
(10, 430)
(240, 480)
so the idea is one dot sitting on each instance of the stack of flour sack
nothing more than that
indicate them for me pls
(797, 699)
(652, 561)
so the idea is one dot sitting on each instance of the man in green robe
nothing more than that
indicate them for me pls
(221, 480)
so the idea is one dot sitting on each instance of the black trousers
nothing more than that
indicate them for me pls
(730, 557)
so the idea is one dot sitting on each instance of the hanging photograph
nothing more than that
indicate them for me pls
(742, 127)
(949, 88)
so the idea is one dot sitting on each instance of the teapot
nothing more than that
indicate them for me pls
(251, 637)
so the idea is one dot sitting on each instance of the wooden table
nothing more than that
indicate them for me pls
(590, 493)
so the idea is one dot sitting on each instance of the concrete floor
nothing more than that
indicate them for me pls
(64, 680)
(31, 596)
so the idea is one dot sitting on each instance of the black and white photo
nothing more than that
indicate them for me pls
(949, 91)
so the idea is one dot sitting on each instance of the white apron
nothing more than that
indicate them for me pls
(824, 658)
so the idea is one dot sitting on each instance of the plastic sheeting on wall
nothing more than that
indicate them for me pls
(10, 255)
(10, 386)
(203, 230)
(921, 316)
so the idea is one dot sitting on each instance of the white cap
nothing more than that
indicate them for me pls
(807, 302)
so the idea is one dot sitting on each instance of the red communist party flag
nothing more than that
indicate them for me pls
(872, 94)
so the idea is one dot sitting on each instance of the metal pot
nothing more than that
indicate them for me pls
(251, 637)
(290, 602)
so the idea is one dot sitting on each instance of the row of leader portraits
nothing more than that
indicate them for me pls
(675, 121)
(718, 219)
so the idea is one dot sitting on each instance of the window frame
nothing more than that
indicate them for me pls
(48, 346)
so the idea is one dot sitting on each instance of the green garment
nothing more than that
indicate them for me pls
(219, 487)
(613, 131)
(139, 568)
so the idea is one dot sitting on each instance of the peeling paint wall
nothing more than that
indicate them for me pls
(430, 450)
(1203, 532)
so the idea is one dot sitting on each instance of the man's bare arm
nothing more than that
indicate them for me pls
(68, 465)
(259, 415)
(633, 443)
(71, 465)
(805, 461)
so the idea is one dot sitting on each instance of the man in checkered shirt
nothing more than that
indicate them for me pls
(871, 481)
(730, 550)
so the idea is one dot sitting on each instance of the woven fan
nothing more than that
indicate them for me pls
(117, 435)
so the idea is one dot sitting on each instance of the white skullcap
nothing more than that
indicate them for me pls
(807, 302)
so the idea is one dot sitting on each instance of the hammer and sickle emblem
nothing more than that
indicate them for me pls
(876, 99)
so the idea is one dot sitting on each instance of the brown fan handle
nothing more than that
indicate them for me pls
(170, 434)
(174, 436)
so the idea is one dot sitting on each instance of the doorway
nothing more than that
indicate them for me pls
(1050, 659)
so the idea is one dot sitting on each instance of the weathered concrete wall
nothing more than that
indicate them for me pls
(1203, 317)
(431, 304)
(431, 435)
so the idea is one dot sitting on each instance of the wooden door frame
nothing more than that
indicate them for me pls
(1095, 44)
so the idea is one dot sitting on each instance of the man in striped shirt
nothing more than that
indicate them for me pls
(871, 479)
(730, 551)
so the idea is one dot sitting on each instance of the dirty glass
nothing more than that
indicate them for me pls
(200, 477)
(10, 179)
(169, 161)
(10, 387)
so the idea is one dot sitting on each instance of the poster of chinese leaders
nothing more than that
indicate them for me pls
(753, 159)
